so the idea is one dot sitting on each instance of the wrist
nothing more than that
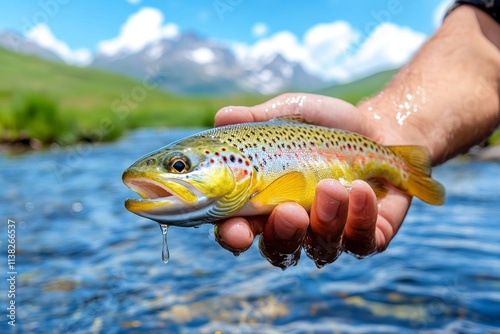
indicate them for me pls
(447, 97)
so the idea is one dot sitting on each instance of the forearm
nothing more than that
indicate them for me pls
(447, 97)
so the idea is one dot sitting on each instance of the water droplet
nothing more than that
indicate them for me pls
(211, 234)
(165, 254)
(29, 207)
(77, 207)
(236, 253)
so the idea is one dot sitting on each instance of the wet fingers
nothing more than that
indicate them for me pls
(283, 235)
(359, 232)
(237, 234)
(328, 218)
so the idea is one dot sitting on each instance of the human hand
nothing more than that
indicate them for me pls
(339, 220)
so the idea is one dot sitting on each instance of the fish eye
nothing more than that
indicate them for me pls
(179, 166)
(177, 163)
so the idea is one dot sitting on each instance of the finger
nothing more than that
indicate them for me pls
(328, 219)
(315, 109)
(284, 232)
(237, 234)
(392, 210)
(282, 105)
(359, 233)
(234, 115)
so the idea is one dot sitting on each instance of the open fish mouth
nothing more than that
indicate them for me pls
(148, 190)
(160, 198)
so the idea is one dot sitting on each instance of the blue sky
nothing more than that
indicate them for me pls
(244, 24)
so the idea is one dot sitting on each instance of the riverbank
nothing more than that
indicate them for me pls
(43, 102)
(25, 144)
(35, 121)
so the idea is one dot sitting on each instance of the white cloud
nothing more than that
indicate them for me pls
(335, 51)
(259, 29)
(327, 44)
(134, 2)
(142, 28)
(284, 43)
(43, 36)
(389, 46)
(440, 11)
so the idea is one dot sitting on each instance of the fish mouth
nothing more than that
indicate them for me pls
(148, 190)
(164, 199)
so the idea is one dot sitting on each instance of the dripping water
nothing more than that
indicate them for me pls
(165, 254)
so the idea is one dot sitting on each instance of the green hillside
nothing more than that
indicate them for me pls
(55, 102)
(354, 91)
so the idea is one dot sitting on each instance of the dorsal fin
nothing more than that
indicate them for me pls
(289, 119)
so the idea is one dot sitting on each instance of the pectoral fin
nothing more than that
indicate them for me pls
(290, 187)
(379, 187)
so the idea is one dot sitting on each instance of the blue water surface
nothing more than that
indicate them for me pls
(86, 265)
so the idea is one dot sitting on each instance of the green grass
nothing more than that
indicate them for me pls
(37, 116)
(494, 138)
(357, 90)
(54, 102)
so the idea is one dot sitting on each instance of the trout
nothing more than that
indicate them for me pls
(247, 169)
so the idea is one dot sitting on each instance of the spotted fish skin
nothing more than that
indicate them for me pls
(284, 159)
(287, 144)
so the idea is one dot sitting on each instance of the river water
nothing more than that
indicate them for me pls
(86, 265)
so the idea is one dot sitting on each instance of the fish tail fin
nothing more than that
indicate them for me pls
(420, 182)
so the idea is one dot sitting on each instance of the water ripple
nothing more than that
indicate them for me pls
(87, 265)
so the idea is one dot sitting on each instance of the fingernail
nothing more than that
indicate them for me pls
(357, 199)
(283, 229)
(358, 204)
(236, 229)
(327, 208)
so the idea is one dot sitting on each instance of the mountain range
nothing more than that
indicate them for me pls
(191, 65)
(17, 43)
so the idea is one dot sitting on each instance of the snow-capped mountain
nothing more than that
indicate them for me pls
(275, 73)
(195, 65)
(188, 65)
(191, 64)
(17, 43)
